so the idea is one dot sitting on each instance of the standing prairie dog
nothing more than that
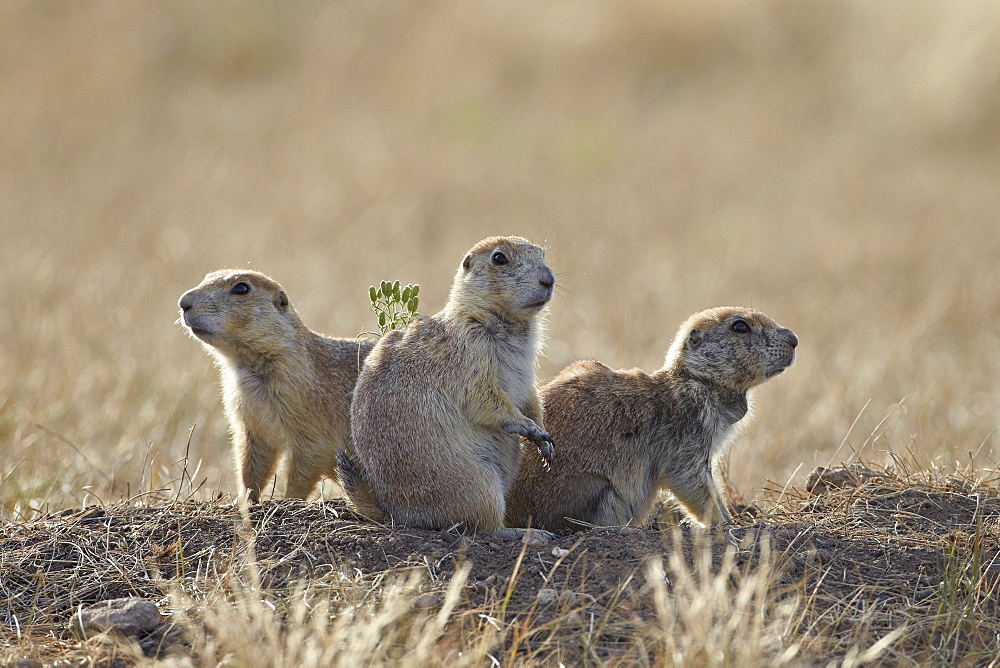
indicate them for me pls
(624, 436)
(285, 387)
(439, 406)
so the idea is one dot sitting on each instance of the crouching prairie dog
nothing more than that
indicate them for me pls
(624, 436)
(286, 389)
(439, 406)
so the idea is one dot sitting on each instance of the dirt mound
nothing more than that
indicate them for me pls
(868, 555)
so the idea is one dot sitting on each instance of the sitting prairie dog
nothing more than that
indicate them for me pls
(285, 387)
(624, 436)
(439, 406)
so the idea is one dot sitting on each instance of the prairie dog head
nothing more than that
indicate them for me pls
(505, 275)
(735, 347)
(239, 313)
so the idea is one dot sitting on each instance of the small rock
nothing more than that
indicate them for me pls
(559, 552)
(820, 556)
(822, 479)
(546, 596)
(426, 601)
(127, 616)
(536, 537)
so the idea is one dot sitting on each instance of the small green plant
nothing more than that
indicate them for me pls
(394, 307)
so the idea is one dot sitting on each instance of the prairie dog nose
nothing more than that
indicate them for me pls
(547, 279)
(186, 301)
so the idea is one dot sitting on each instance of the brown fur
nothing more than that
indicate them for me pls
(438, 407)
(285, 387)
(624, 436)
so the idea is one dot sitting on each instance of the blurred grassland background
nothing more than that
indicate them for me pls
(836, 165)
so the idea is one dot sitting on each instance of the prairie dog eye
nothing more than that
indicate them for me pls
(741, 326)
(240, 288)
(499, 258)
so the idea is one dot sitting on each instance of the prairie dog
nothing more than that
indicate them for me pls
(285, 387)
(439, 406)
(624, 436)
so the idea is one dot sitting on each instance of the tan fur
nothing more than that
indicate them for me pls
(438, 406)
(285, 387)
(624, 436)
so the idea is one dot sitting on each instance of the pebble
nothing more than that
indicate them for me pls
(822, 479)
(546, 596)
(426, 601)
(819, 555)
(128, 616)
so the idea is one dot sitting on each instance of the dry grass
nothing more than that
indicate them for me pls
(834, 165)
(892, 565)
(241, 596)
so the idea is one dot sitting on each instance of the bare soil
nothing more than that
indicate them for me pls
(866, 542)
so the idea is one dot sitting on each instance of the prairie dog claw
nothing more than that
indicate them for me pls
(546, 450)
(533, 433)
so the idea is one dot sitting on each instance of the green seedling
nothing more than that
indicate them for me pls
(394, 307)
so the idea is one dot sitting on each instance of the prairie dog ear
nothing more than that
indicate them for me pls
(467, 262)
(694, 338)
(281, 299)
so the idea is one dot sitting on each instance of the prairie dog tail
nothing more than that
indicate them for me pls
(359, 491)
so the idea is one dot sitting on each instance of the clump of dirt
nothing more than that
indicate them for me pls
(882, 542)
